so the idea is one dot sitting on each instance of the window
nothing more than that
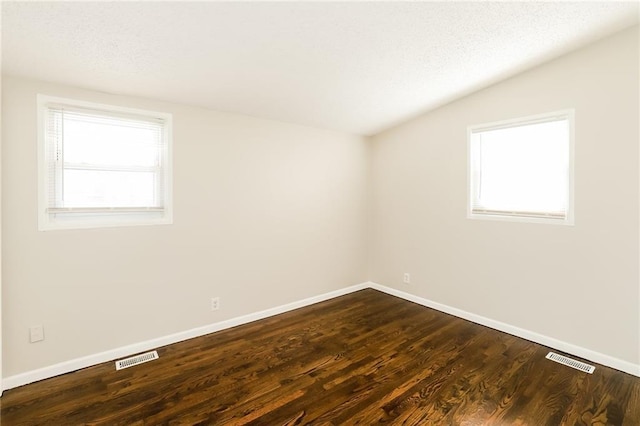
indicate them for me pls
(523, 169)
(102, 165)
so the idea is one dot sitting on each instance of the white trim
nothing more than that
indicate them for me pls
(518, 216)
(124, 351)
(544, 117)
(579, 351)
(50, 219)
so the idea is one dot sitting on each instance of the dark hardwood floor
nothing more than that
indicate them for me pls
(364, 358)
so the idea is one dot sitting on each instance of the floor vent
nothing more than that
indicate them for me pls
(571, 362)
(135, 360)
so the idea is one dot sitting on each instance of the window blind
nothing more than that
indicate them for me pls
(103, 161)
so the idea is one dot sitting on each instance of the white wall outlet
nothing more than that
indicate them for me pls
(406, 278)
(36, 333)
(215, 303)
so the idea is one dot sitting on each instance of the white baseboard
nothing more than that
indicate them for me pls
(597, 357)
(124, 351)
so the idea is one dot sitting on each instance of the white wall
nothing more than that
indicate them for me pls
(265, 213)
(578, 284)
(1, 342)
(268, 213)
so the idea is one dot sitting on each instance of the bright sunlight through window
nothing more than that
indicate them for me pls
(102, 165)
(522, 169)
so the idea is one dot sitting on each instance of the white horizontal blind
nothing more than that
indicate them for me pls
(103, 161)
(521, 169)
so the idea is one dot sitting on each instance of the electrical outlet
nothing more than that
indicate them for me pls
(406, 278)
(36, 333)
(215, 303)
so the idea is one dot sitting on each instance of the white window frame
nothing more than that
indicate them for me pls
(514, 216)
(79, 218)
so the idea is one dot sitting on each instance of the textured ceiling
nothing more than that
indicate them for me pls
(352, 66)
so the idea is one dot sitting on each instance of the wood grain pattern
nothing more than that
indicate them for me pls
(364, 358)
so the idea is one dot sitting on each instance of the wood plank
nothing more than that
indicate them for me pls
(363, 358)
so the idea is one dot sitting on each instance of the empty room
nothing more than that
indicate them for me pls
(328, 213)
